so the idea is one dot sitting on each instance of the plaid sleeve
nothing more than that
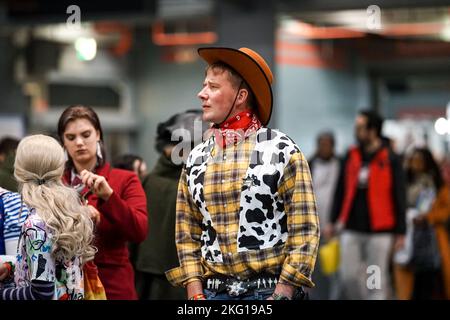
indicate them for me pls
(302, 243)
(187, 237)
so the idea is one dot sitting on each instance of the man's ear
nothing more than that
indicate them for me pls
(242, 96)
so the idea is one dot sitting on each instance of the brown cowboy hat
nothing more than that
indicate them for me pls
(252, 68)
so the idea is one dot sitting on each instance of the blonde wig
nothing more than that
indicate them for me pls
(38, 168)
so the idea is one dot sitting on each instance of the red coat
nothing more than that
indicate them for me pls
(123, 220)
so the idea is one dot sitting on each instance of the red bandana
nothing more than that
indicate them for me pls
(237, 128)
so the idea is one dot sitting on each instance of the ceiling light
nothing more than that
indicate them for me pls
(86, 48)
(441, 126)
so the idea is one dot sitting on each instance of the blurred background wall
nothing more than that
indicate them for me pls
(329, 60)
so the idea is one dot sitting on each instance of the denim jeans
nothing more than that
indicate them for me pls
(258, 294)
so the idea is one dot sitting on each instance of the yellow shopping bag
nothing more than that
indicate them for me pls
(329, 256)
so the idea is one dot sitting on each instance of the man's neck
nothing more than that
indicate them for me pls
(234, 113)
(373, 146)
(327, 158)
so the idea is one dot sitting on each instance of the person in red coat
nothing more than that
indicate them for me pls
(116, 198)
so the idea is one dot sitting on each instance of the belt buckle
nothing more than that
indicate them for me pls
(236, 288)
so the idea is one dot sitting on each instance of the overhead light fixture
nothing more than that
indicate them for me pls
(310, 31)
(445, 34)
(181, 38)
(441, 126)
(86, 48)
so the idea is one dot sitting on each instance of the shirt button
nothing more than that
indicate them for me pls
(223, 181)
(224, 157)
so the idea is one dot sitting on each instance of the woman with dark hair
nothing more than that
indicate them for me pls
(115, 197)
(421, 165)
(425, 273)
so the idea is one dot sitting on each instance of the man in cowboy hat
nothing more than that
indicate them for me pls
(246, 225)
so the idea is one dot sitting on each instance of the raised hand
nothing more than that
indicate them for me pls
(97, 184)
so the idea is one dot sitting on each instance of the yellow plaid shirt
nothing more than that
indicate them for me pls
(294, 261)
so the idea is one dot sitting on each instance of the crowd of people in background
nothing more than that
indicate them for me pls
(388, 210)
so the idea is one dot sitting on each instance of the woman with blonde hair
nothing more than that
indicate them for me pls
(56, 237)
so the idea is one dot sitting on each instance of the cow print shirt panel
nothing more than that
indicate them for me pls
(263, 222)
(237, 194)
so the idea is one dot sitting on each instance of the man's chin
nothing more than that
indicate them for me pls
(207, 117)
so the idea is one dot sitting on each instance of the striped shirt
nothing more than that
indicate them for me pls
(12, 216)
(292, 258)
